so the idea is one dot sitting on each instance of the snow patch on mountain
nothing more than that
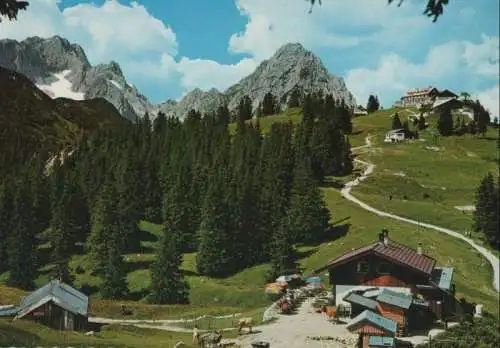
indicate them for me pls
(62, 87)
(116, 84)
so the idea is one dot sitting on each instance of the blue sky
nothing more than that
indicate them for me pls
(167, 48)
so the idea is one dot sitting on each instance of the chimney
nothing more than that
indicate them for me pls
(381, 238)
(385, 233)
(419, 248)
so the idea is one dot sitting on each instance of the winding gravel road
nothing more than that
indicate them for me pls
(346, 193)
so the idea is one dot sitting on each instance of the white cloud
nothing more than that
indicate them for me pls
(483, 58)
(490, 99)
(206, 74)
(143, 45)
(456, 62)
(334, 24)
(106, 32)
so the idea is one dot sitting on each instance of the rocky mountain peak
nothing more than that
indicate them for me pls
(61, 69)
(291, 67)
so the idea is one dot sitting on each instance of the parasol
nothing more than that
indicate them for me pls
(314, 280)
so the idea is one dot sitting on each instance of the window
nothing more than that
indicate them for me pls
(383, 268)
(363, 267)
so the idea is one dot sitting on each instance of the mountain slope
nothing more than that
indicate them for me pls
(291, 67)
(61, 69)
(31, 121)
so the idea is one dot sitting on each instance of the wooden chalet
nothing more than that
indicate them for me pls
(388, 264)
(370, 324)
(57, 305)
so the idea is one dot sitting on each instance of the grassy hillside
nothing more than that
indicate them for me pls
(353, 227)
(27, 334)
(293, 115)
(429, 177)
(30, 120)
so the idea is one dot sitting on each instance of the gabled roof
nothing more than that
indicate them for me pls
(442, 277)
(393, 251)
(443, 101)
(393, 131)
(362, 301)
(370, 317)
(394, 298)
(62, 294)
(372, 292)
(8, 311)
(381, 341)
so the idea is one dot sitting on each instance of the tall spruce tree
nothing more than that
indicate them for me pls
(22, 240)
(421, 123)
(373, 104)
(245, 108)
(308, 215)
(445, 122)
(276, 175)
(396, 122)
(5, 223)
(294, 98)
(486, 215)
(62, 233)
(268, 104)
(114, 285)
(283, 252)
(347, 157)
(345, 118)
(104, 225)
(215, 257)
(167, 282)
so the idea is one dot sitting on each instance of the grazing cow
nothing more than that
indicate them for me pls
(210, 339)
(330, 312)
(245, 322)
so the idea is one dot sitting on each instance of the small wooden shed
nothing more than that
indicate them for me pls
(57, 305)
(368, 324)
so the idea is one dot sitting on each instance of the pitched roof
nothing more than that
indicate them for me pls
(374, 319)
(381, 341)
(8, 311)
(442, 276)
(372, 292)
(62, 294)
(443, 101)
(395, 298)
(393, 251)
(361, 300)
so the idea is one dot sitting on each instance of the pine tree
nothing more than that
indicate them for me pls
(421, 123)
(283, 253)
(345, 118)
(308, 215)
(348, 160)
(445, 122)
(245, 108)
(294, 99)
(22, 242)
(104, 224)
(167, 283)
(268, 104)
(486, 215)
(114, 285)
(373, 104)
(215, 257)
(5, 223)
(62, 234)
(396, 122)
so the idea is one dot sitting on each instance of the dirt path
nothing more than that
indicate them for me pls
(346, 192)
(292, 331)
